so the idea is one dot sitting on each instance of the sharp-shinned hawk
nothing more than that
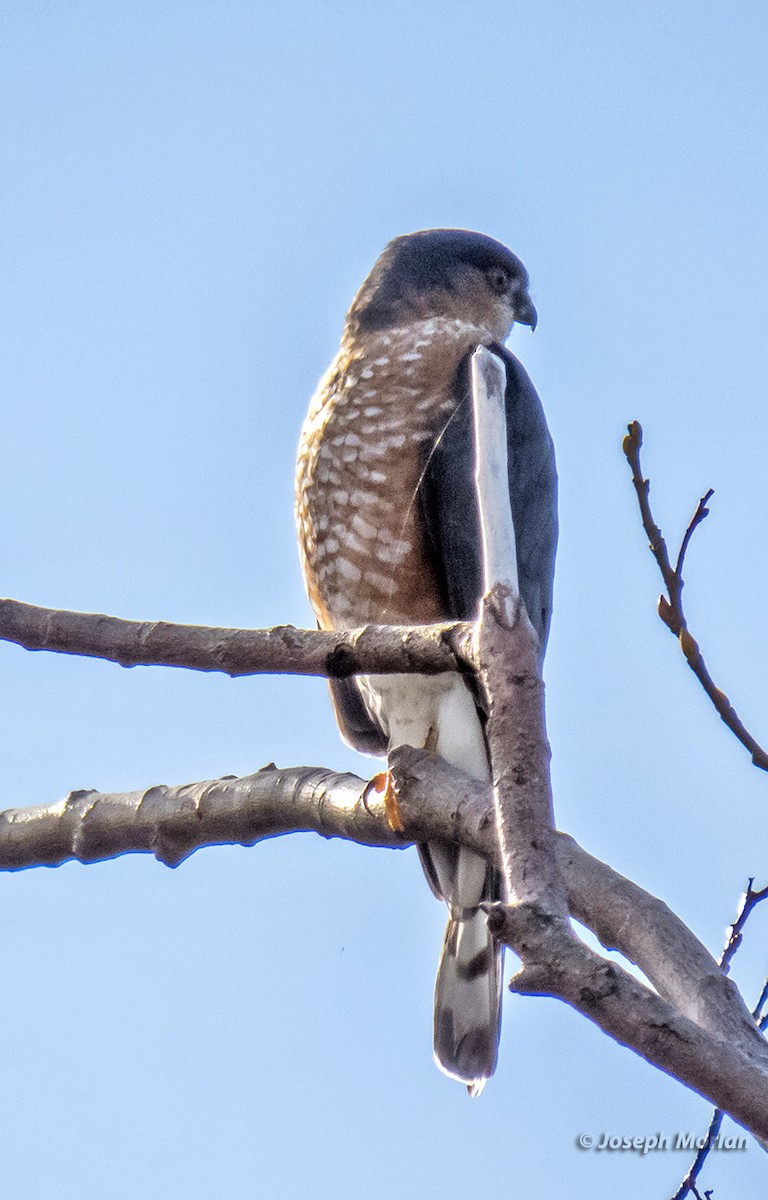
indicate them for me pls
(389, 533)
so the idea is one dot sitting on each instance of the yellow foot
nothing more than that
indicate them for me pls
(383, 783)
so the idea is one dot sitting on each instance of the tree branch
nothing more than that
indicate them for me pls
(621, 914)
(749, 901)
(379, 649)
(172, 822)
(671, 606)
(694, 1026)
(556, 965)
(438, 803)
(510, 673)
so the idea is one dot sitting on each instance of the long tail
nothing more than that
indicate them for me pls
(468, 985)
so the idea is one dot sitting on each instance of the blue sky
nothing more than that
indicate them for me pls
(190, 196)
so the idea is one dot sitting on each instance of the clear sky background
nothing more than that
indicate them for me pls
(190, 195)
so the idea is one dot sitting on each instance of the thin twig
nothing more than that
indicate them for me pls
(701, 512)
(749, 902)
(631, 446)
(760, 1016)
(689, 1183)
(671, 606)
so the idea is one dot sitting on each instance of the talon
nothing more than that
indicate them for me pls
(383, 783)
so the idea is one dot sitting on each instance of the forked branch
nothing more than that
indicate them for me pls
(691, 1023)
(694, 1025)
(749, 901)
(671, 606)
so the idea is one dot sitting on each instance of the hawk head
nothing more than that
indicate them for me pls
(451, 273)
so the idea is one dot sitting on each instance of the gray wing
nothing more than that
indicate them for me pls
(450, 512)
(449, 501)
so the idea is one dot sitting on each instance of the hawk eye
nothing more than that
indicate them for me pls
(498, 279)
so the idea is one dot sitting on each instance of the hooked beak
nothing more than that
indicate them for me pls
(525, 313)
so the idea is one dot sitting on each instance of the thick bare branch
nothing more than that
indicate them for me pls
(436, 802)
(671, 606)
(619, 912)
(380, 649)
(172, 822)
(694, 1026)
(555, 964)
(510, 672)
